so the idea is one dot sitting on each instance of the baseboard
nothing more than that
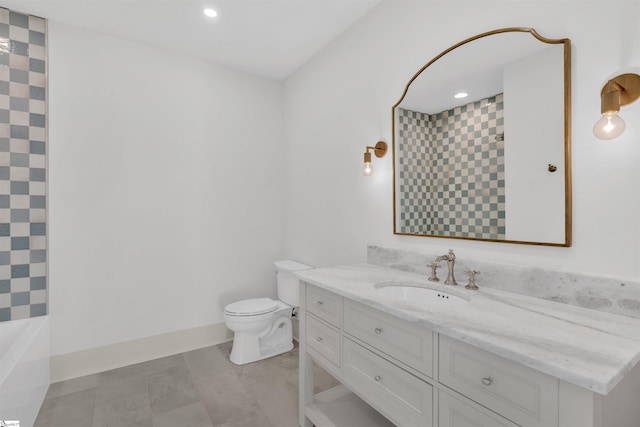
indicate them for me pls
(99, 359)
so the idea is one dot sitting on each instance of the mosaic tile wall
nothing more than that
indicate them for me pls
(414, 177)
(23, 238)
(460, 181)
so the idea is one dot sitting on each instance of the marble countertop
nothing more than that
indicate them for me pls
(589, 348)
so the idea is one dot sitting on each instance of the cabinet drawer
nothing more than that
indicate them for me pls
(325, 305)
(521, 394)
(403, 398)
(456, 413)
(409, 343)
(323, 339)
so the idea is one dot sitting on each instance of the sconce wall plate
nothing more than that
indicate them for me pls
(620, 90)
(380, 149)
(628, 85)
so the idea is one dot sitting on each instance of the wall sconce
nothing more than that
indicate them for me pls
(380, 149)
(621, 90)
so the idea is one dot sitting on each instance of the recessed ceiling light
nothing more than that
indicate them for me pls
(461, 95)
(210, 13)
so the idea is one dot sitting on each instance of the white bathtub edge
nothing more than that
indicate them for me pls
(24, 385)
(99, 359)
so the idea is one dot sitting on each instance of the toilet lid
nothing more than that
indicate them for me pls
(251, 307)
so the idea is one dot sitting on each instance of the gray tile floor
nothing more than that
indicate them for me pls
(200, 388)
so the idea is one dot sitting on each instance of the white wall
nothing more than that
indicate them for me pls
(341, 100)
(165, 189)
(534, 196)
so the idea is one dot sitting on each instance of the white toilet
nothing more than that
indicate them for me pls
(262, 326)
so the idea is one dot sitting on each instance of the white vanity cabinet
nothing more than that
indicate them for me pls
(397, 372)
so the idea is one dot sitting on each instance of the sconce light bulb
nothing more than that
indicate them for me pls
(609, 126)
(368, 169)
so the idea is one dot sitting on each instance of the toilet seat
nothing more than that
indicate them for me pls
(251, 307)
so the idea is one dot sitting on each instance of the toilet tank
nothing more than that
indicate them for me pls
(288, 285)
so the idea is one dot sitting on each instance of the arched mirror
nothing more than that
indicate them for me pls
(481, 142)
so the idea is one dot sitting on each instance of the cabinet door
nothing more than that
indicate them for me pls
(323, 339)
(521, 394)
(407, 342)
(403, 398)
(456, 413)
(326, 305)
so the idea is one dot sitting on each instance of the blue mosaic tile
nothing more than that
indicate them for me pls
(36, 120)
(18, 19)
(19, 132)
(19, 76)
(19, 270)
(38, 228)
(36, 147)
(37, 202)
(36, 93)
(20, 298)
(19, 215)
(37, 174)
(5, 314)
(36, 65)
(36, 38)
(19, 243)
(19, 48)
(5, 286)
(38, 256)
(19, 187)
(38, 283)
(38, 310)
(18, 104)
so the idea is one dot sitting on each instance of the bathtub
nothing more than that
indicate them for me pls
(24, 368)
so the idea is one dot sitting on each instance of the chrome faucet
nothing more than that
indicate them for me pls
(451, 261)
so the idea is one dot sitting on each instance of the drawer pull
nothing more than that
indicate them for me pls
(377, 378)
(319, 339)
(378, 331)
(319, 303)
(487, 380)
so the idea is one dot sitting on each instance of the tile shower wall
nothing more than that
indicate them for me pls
(23, 244)
(453, 180)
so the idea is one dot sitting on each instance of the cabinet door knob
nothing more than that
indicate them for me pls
(319, 339)
(378, 331)
(377, 378)
(487, 380)
(319, 303)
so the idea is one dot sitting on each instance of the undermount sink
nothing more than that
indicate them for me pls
(416, 293)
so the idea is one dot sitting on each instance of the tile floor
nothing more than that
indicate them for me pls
(200, 388)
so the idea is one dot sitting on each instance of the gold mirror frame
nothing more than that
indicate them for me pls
(567, 136)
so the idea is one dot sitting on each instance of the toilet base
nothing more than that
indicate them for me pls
(251, 347)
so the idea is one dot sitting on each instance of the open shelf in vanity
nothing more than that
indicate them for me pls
(339, 406)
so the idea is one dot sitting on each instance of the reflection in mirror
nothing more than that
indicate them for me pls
(495, 164)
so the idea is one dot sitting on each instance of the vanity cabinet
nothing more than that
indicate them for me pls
(397, 372)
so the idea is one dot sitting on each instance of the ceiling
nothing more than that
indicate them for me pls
(270, 38)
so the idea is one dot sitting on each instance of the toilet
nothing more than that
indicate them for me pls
(261, 326)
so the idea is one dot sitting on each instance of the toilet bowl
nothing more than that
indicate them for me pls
(262, 326)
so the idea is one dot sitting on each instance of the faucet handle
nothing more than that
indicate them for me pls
(472, 279)
(434, 266)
